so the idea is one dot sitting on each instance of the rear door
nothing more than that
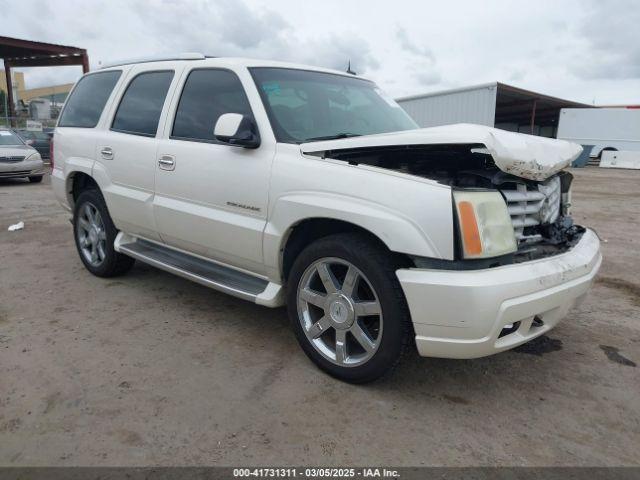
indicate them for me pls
(82, 117)
(211, 198)
(126, 149)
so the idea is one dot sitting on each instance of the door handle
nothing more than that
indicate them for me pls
(107, 153)
(167, 162)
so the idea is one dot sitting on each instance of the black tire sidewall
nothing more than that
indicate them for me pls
(111, 259)
(381, 274)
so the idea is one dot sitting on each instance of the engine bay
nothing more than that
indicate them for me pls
(539, 210)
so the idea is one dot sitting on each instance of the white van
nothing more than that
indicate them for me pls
(601, 129)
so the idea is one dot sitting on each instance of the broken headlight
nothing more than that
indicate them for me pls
(566, 179)
(484, 224)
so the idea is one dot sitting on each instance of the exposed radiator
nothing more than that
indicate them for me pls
(529, 207)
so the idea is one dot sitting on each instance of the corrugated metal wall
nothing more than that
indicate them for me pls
(476, 105)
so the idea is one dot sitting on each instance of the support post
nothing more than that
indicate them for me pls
(11, 111)
(533, 115)
(85, 63)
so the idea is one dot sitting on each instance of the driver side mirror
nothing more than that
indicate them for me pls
(237, 130)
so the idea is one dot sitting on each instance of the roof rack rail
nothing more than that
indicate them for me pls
(158, 58)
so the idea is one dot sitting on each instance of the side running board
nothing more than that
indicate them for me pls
(204, 272)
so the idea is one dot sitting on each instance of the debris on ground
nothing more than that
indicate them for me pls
(613, 354)
(16, 226)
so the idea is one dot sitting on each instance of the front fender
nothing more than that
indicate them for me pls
(395, 229)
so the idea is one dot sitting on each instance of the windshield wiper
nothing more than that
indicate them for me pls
(333, 137)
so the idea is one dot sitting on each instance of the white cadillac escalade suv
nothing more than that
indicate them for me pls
(292, 185)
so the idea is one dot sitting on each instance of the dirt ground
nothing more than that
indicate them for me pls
(150, 369)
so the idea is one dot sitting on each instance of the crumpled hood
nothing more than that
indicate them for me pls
(526, 156)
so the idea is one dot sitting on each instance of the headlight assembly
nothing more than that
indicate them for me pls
(484, 224)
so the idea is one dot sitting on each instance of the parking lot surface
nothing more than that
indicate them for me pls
(151, 369)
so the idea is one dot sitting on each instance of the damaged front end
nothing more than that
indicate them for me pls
(538, 206)
(539, 210)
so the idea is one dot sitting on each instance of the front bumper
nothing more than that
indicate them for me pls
(461, 314)
(25, 168)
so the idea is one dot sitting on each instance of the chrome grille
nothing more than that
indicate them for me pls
(11, 159)
(529, 207)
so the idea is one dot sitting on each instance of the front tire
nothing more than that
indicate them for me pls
(94, 234)
(36, 179)
(347, 307)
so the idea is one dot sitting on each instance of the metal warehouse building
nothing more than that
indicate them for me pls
(492, 104)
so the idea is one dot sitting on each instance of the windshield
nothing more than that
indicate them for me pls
(9, 138)
(308, 106)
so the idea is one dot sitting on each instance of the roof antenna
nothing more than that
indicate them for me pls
(349, 71)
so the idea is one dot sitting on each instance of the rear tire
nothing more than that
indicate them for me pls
(94, 234)
(362, 295)
(37, 179)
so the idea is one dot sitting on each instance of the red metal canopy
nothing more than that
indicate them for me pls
(16, 52)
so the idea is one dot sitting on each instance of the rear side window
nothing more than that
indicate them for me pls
(141, 105)
(85, 105)
(206, 95)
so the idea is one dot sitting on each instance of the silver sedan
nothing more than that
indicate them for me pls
(18, 160)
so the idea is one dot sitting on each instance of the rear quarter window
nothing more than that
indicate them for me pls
(85, 105)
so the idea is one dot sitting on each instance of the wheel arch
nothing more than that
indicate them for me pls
(596, 151)
(309, 230)
(369, 347)
(336, 213)
(76, 182)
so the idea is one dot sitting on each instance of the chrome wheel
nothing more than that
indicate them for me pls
(91, 234)
(339, 312)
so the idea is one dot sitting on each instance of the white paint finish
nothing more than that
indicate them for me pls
(399, 209)
(127, 180)
(73, 152)
(273, 296)
(215, 201)
(494, 298)
(155, 59)
(466, 105)
(128, 173)
(209, 230)
(611, 159)
(237, 207)
(58, 185)
(74, 148)
(526, 156)
(617, 128)
(227, 125)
